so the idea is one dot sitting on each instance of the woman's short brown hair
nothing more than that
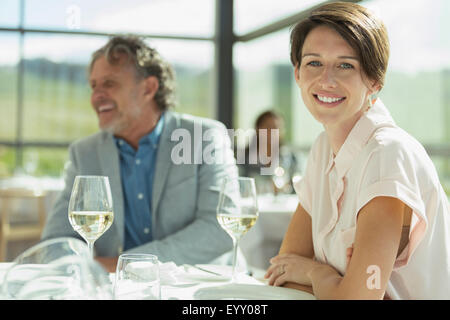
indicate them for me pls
(362, 30)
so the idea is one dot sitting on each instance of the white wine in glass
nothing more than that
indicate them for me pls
(91, 207)
(236, 225)
(237, 210)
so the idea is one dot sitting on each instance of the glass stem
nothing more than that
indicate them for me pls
(233, 270)
(91, 248)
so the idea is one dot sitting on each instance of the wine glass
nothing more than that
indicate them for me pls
(237, 210)
(91, 208)
(280, 180)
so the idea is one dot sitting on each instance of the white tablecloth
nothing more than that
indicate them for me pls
(190, 286)
(179, 287)
(263, 241)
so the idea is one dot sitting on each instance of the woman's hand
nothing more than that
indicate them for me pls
(290, 267)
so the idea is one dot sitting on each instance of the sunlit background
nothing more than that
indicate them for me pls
(45, 46)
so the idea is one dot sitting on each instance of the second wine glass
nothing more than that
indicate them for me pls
(237, 210)
(91, 208)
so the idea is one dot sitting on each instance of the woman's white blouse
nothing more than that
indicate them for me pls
(380, 159)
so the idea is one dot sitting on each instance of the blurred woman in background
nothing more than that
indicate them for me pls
(260, 153)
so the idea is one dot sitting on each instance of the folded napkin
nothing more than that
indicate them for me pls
(168, 272)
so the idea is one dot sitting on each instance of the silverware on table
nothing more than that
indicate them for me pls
(202, 269)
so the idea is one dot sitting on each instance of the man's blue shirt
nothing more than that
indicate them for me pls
(137, 169)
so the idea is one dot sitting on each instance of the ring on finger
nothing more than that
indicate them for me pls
(282, 271)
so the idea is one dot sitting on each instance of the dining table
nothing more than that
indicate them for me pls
(193, 282)
(204, 282)
(258, 245)
(50, 186)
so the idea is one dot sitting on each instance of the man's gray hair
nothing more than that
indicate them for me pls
(146, 62)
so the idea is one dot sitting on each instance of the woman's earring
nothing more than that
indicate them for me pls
(372, 99)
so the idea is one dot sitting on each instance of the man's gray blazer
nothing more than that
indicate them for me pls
(184, 199)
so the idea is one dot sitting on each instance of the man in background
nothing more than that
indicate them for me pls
(160, 207)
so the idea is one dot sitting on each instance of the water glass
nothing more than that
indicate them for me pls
(137, 277)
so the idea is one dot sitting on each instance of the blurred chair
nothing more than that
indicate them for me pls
(12, 229)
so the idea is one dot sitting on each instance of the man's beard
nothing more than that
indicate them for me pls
(122, 122)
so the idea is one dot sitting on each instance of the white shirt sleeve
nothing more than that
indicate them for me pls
(393, 170)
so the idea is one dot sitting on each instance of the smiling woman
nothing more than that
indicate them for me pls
(329, 75)
(370, 44)
(370, 198)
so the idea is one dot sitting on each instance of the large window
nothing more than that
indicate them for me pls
(263, 78)
(45, 48)
(417, 87)
(9, 15)
(56, 105)
(158, 17)
(250, 15)
(9, 57)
